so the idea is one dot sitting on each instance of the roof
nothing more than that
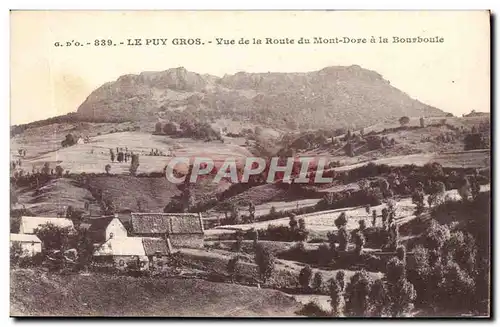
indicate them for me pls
(29, 224)
(127, 246)
(99, 224)
(153, 246)
(172, 223)
(24, 238)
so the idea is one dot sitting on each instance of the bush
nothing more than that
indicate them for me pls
(312, 309)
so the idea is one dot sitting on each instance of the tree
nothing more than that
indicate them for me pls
(436, 196)
(59, 171)
(107, 168)
(362, 225)
(401, 253)
(68, 141)
(404, 120)
(16, 253)
(305, 277)
(317, 282)
(108, 207)
(85, 248)
(134, 164)
(302, 232)
(112, 155)
(385, 216)
(417, 198)
(436, 236)
(357, 294)
(251, 210)
(120, 157)
(401, 292)
(402, 295)
(349, 149)
(46, 168)
(374, 218)
(343, 238)
(340, 277)
(359, 241)
(158, 128)
(379, 298)
(293, 222)
(54, 237)
(265, 262)
(233, 267)
(474, 141)
(458, 288)
(170, 128)
(335, 293)
(341, 220)
(464, 189)
(422, 122)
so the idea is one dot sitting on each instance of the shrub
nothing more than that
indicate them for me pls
(312, 309)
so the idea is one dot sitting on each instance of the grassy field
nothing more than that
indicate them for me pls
(54, 197)
(323, 221)
(94, 156)
(463, 159)
(105, 295)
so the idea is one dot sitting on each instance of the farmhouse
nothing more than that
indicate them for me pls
(99, 230)
(30, 244)
(29, 224)
(122, 252)
(178, 229)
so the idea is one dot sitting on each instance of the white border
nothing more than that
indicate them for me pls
(184, 4)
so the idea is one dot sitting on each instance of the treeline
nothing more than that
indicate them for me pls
(72, 117)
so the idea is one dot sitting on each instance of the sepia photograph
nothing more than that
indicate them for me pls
(284, 164)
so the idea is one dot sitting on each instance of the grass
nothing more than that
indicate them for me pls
(94, 156)
(37, 293)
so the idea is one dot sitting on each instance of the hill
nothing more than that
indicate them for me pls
(105, 295)
(332, 97)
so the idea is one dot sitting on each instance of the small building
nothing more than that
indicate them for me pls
(157, 250)
(122, 252)
(178, 229)
(30, 244)
(104, 228)
(29, 224)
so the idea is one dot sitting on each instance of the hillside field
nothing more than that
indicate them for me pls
(37, 293)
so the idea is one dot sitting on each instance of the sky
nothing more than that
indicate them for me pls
(47, 81)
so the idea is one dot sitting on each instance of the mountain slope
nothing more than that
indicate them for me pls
(331, 97)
